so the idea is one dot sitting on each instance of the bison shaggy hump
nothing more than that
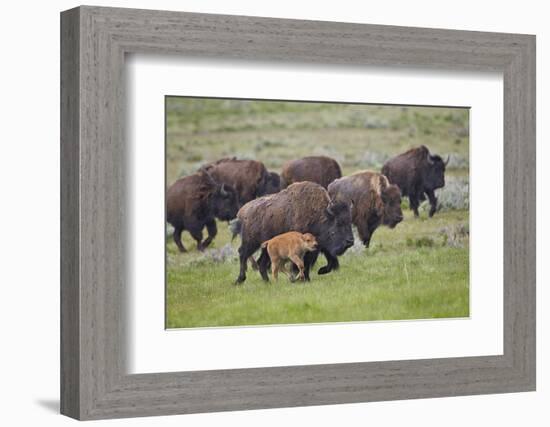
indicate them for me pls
(249, 178)
(319, 169)
(375, 201)
(304, 207)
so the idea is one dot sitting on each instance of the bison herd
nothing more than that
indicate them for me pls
(309, 196)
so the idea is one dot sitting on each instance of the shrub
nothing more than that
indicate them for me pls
(455, 195)
(455, 235)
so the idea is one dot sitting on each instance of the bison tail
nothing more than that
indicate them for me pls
(235, 226)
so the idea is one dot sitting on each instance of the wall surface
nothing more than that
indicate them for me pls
(29, 213)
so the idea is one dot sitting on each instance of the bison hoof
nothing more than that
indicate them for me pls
(239, 280)
(324, 270)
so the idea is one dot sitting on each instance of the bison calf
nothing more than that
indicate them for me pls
(290, 246)
(417, 172)
(194, 202)
(375, 201)
(319, 169)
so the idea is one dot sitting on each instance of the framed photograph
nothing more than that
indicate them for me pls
(262, 213)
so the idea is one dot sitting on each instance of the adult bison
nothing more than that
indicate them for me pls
(194, 202)
(320, 169)
(375, 201)
(417, 172)
(249, 178)
(304, 207)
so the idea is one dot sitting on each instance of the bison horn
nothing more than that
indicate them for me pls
(447, 161)
(329, 211)
(222, 190)
(430, 160)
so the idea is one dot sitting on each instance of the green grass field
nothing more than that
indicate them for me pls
(418, 270)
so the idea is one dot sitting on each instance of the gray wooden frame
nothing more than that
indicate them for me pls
(94, 41)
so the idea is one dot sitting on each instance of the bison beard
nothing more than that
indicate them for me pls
(375, 201)
(304, 207)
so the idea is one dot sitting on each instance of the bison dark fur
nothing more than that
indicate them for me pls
(304, 207)
(375, 201)
(320, 169)
(249, 178)
(417, 173)
(193, 202)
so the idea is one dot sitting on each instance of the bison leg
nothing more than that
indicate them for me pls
(253, 263)
(310, 258)
(363, 229)
(244, 254)
(177, 238)
(371, 229)
(413, 202)
(196, 233)
(332, 264)
(433, 202)
(212, 231)
(263, 264)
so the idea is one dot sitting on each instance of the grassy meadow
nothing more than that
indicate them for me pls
(418, 270)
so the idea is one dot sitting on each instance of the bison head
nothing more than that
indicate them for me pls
(392, 213)
(337, 235)
(224, 202)
(273, 183)
(434, 174)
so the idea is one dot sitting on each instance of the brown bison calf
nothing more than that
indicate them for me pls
(194, 202)
(375, 201)
(417, 172)
(290, 246)
(319, 169)
(249, 178)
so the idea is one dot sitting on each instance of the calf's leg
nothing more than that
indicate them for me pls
(275, 266)
(300, 264)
